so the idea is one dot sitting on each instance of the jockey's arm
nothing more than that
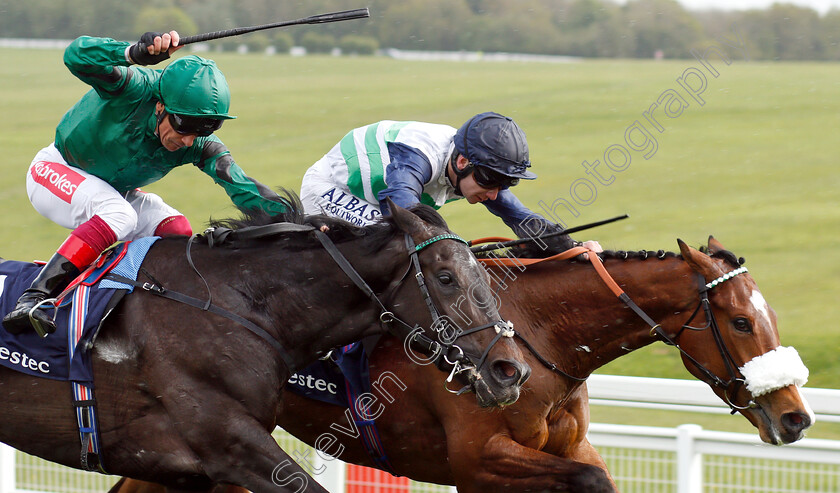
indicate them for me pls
(100, 63)
(408, 171)
(244, 192)
(524, 222)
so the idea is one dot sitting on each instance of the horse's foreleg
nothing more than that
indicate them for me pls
(230, 445)
(248, 456)
(127, 485)
(505, 465)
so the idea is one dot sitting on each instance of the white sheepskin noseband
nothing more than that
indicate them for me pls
(774, 370)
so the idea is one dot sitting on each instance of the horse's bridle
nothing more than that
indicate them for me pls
(729, 387)
(446, 354)
(736, 380)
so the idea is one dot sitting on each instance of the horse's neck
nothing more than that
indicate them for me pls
(336, 305)
(301, 298)
(589, 325)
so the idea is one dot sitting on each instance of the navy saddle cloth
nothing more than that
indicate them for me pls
(64, 355)
(338, 380)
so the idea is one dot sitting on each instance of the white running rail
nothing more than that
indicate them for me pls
(686, 459)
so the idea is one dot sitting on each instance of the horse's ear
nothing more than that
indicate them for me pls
(715, 246)
(696, 259)
(404, 219)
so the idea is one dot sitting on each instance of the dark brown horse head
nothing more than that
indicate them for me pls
(475, 343)
(740, 350)
(471, 330)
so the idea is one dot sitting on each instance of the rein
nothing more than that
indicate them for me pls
(570, 253)
(440, 352)
(734, 383)
(217, 236)
(411, 334)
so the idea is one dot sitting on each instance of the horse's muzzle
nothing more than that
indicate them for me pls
(499, 384)
(794, 425)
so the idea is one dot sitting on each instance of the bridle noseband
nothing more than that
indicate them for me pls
(736, 380)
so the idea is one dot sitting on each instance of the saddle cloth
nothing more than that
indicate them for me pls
(341, 380)
(64, 355)
(338, 380)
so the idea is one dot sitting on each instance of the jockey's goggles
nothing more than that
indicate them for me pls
(191, 125)
(487, 178)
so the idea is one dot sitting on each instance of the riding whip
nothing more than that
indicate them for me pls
(575, 229)
(344, 15)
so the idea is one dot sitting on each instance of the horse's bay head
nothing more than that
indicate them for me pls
(735, 348)
(464, 315)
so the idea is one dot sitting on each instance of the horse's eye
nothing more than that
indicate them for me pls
(445, 278)
(742, 324)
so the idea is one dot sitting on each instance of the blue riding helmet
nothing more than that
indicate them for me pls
(494, 141)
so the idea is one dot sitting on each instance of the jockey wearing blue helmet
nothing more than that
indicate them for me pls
(496, 150)
(415, 162)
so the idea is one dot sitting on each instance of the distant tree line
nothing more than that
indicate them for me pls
(589, 28)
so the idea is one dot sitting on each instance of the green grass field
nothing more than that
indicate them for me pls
(754, 165)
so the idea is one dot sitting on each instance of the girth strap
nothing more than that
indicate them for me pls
(204, 306)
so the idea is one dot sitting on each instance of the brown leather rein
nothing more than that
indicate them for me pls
(730, 386)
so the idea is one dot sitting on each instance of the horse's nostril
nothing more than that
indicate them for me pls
(796, 421)
(511, 372)
(506, 371)
(525, 375)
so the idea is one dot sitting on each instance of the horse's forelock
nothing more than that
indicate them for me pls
(725, 255)
(429, 215)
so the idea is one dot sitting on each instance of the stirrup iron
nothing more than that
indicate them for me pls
(40, 328)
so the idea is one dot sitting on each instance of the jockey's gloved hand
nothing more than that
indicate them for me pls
(550, 245)
(560, 242)
(139, 51)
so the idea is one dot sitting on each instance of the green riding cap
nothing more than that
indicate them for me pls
(194, 86)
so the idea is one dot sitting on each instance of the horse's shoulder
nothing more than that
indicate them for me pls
(566, 427)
